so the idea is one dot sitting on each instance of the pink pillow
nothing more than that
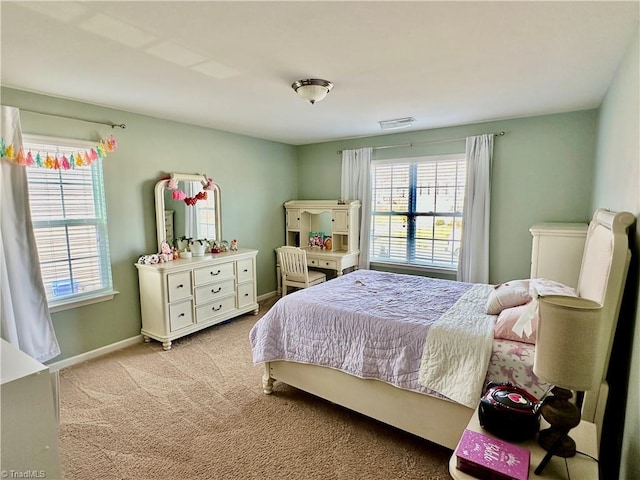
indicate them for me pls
(508, 318)
(507, 295)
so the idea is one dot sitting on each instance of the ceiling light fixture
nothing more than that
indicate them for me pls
(313, 89)
(396, 123)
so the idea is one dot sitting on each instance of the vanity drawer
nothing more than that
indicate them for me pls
(179, 285)
(180, 315)
(212, 273)
(245, 294)
(214, 290)
(321, 263)
(213, 309)
(245, 270)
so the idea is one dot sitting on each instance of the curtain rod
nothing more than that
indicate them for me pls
(112, 125)
(499, 134)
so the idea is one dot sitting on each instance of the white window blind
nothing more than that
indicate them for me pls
(417, 210)
(70, 223)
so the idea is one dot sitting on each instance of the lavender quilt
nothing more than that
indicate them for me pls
(376, 325)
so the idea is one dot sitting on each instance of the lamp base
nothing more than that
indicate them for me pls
(562, 416)
(557, 442)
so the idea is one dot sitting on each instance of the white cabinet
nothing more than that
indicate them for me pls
(29, 424)
(556, 253)
(293, 219)
(183, 296)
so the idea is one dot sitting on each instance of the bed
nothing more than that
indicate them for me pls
(426, 374)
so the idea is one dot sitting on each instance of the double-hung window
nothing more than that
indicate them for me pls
(417, 210)
(69, 219)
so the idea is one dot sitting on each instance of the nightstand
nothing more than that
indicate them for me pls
(580, 467)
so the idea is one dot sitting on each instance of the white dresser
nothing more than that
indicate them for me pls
(29, 419)
(556, 253)
(186, 295)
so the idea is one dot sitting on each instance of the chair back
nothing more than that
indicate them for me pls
(293, 264)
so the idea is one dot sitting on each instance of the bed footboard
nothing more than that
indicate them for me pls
(431, 418)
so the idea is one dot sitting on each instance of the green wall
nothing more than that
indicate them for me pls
(617, 187)
(542, 171)
(256, 178)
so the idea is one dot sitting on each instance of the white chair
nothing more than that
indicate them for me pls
(294, 271)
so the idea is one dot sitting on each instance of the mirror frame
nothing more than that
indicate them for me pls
(160, 205)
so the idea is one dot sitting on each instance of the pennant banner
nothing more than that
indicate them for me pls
(68, 161)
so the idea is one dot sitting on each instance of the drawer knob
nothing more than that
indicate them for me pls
(180, 286)
(215, 273)
(245, 270)
(246, 294)
(216, 291)
(216, 309)
(181, 315)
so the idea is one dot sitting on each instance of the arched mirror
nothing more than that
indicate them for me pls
(187, 206)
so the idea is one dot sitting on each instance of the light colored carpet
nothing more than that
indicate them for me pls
(198, 411)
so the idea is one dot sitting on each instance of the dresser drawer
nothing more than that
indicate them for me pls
(212, 291)
(245, 270)
(246, 294)
(213, 273)
(213, 309)
(180, 315)
(179, 285)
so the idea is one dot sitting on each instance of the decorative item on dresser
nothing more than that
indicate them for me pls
(340, 218)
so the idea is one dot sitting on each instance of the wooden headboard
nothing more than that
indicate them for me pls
(603, 274)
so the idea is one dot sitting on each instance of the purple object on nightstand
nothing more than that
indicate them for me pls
(489, 458)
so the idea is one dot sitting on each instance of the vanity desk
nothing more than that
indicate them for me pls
(182, 296)
(339, 224)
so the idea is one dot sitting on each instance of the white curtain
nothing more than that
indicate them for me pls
(26, 322)
(473, 262)
(356, 185)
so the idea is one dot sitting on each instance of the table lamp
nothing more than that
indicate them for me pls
(565, 356)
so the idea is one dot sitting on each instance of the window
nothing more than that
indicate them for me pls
(70, 223)
(417, 210)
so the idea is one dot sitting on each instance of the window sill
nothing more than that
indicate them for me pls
(76, 302)
(419, 269)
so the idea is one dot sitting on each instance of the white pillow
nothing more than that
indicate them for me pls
(550, 287)
(507, 295)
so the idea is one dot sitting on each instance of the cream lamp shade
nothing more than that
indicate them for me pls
(567, 338)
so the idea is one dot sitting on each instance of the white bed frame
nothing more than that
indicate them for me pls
(602, 277)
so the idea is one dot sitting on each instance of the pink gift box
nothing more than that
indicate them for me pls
(489, 458)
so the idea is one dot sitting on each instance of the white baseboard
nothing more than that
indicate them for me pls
(98, 352)
(267, 295)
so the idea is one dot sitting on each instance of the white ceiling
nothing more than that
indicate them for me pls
(229, 65)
